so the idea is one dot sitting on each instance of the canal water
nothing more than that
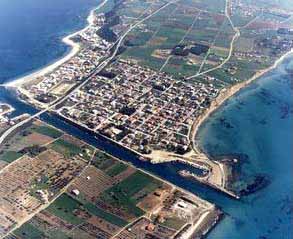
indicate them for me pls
(255, 125)
(260, 119)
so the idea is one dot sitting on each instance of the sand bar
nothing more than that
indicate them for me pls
(75, 47)
(225, 95)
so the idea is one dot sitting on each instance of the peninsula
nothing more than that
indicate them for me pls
(145, 75)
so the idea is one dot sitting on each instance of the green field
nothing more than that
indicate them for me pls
(134, 183)
(66, 148)
(48, 131)
(174, 222)
(138, 38)
(219, 52)
(96, 211)
(208, 5)
(116, 169)
(64, 207)
(121, 194)
(103, 161)
(134, 9)
(28, 231)
(9, 156)
(221, 74)
(120, 200)
(105, 215)
(180, 68)
(58, 234)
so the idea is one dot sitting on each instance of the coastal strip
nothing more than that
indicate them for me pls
(75, 48)
(218, 175)
(224, 96)
(207, 214)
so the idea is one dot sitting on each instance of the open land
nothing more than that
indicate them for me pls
(56, 186)
(147, 74)
(40, 162)
(6, 121)
(172, 70)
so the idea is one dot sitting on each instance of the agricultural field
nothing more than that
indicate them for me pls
(30, 135)
(53, 185)
(36, 168)
(194, 38)
(176, 40)
(108, 199)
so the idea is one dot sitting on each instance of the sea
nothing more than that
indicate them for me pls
(31, 31)
(254, 126)
(257, 128)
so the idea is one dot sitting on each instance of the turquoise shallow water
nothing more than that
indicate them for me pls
(31, 32)
(259, 120)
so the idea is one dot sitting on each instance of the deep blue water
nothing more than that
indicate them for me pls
(31, 32)
(260, 116)
(260, 126)
(262, 129)
(264, 135)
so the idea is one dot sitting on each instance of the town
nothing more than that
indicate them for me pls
(55, 184)
(140, 108)
(49, 87)
(145, 76)
(161, 82)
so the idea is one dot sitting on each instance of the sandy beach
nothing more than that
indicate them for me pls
(225, 95)
(218, 176)
(75, 47)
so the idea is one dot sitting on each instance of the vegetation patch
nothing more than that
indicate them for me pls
(134, 183)
(138, 39)
(116, 169)
(28, 231)
(9, 156)
(105, 215)
(103, 161)
(66, 148)
(33, 151)
(48, 131)
(64, 208)
(173, 222)
(121, 195)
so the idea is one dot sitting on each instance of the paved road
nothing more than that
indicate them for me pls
(97, 70)
(235, 37)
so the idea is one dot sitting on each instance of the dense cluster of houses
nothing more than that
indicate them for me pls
(140, 108)
(93, 48)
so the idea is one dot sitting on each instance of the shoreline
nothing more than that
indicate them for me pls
(220, 171)
(223, 97)
(213, 210)
(75, 48)
(165, 157)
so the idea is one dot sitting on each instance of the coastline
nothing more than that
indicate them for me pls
(219, 101)
(75, 48)
(211, 212)
(221, 175)
(224, 96)
(196, 154)
(214, 211)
